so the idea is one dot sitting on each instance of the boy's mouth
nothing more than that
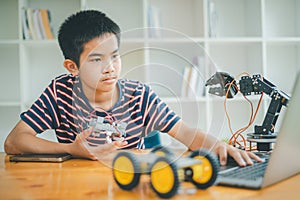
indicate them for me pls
(109, 79)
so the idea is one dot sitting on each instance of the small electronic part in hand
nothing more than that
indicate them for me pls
(114, 131)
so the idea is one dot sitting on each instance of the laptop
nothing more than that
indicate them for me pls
(283, 162)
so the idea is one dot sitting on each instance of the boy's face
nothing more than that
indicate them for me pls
(100, 64)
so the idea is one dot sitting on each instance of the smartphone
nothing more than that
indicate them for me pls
(40, 157)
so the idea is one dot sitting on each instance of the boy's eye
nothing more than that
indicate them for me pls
(116, 56)
(96, 60)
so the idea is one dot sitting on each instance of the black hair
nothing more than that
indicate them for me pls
(82, 27)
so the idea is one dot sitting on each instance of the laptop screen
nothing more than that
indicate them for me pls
(285, 161)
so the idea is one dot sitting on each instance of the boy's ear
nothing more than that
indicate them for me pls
(71, 66)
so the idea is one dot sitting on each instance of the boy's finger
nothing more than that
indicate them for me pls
(87, 132)
(120, 143)
(255, 157)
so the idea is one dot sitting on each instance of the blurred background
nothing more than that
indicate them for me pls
(173, 45)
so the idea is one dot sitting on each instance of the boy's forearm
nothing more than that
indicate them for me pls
(22, 139)
(202, 140)
(27, 143)
(193, 138)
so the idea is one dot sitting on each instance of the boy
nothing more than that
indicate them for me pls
(90, 42)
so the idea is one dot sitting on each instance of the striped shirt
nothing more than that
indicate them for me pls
(64, 107)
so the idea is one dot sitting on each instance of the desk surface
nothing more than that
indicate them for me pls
(85, 179)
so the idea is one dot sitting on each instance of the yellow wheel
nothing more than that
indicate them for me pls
(204, 175)
(126, 170)
(161, 151)
(164, 177)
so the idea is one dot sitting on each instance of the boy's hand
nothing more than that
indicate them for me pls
(242, 157)
(81, 148)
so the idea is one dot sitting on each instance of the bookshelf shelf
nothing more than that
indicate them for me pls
(10, 103)
(254, 36)
(3, 41)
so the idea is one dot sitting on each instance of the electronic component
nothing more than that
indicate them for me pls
(114, 131)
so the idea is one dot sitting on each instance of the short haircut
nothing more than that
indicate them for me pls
(82, 27)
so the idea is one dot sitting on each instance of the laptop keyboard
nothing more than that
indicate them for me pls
(249, 172)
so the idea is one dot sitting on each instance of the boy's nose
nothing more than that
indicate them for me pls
(109, 67)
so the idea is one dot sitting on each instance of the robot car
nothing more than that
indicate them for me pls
(166, 171)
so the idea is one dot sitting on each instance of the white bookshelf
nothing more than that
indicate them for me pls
(256, 36)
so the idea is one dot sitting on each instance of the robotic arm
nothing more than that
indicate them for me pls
(221, 83)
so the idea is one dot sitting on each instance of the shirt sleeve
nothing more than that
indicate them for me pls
(158, 115)
(42, 115)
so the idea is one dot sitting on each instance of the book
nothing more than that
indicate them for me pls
(46, 20)
(192, 84)
(25, 26)
(199, 63)
(32, 32)
(40, 25)
(185, 81)
(193, 79)
(36, 24)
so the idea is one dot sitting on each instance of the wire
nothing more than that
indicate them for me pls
(235, 135)
(252, 117)
(227, 115)
(228, 118)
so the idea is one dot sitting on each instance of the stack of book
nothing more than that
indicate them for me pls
(36, 24)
